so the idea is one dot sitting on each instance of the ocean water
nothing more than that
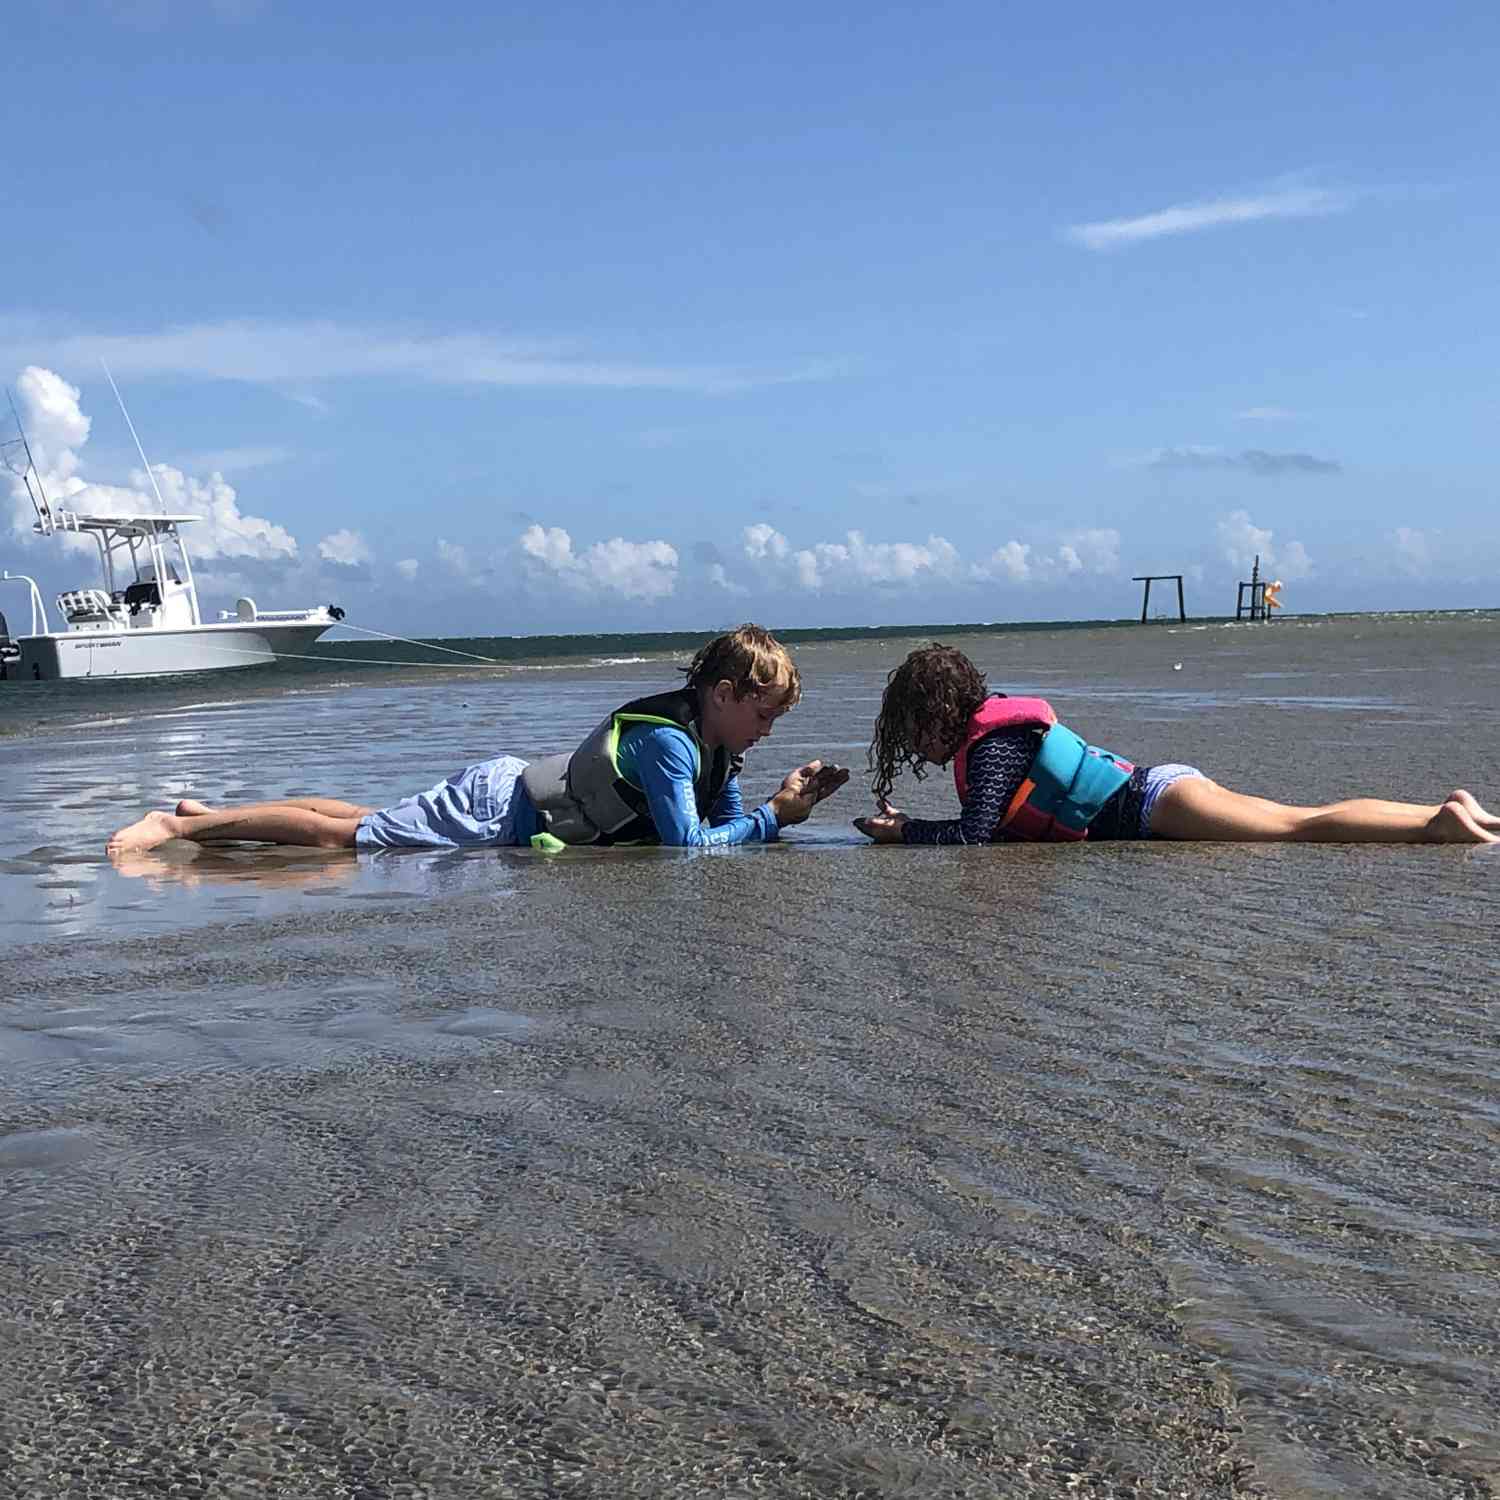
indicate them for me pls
(813, 1169)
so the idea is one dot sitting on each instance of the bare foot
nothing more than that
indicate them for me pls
(1453, 823)
(146, 833)
(1471, 804)
(190, 807)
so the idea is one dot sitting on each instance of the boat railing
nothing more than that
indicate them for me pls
(38, 609)
(289, 614)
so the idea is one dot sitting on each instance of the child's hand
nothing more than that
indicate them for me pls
(804, 788)
(884, 827)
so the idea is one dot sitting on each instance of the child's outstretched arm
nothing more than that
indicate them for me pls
(997, 766)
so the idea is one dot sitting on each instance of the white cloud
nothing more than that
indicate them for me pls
(57, 428)
(1092, 551)
(407, 567)
(1413, 551)
(1266, 414)
(632, 570)
(852, 563)
(1012, 561)
(720, 579)
(1241, 541)
(287, 354)
(345, 549)
(763, 541)
(549, 545)
(1289, 202)
(227, 532)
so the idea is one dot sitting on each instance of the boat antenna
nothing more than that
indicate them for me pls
(145, 462)
(38, 495)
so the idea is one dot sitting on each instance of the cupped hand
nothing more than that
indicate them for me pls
(804, 788)
(883, 827)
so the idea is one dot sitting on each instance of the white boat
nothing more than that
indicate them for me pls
(144, 621)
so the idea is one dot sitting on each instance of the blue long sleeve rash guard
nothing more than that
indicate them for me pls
(661, 760)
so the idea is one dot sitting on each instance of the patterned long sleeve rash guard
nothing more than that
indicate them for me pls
(997, 766)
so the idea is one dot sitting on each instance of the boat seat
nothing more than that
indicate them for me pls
(84, 604)
(141, 593)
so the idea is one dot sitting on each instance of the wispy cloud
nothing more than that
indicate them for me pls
(235, 460)
(1257, 461)
(1285, 202)
(1265, 414)
(283, 354)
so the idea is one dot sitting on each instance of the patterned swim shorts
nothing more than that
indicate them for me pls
(473, 807)
(1127, 815)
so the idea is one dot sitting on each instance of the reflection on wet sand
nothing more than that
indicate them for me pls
(183, 863)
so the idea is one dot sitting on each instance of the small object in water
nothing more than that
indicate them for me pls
(1176, 666)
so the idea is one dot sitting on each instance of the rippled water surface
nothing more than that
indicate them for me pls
(815, 1169)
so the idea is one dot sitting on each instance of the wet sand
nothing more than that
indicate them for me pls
(816, 1169)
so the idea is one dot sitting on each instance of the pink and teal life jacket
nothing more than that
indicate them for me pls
(1069, 781)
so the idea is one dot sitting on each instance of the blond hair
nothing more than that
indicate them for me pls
(752, 659)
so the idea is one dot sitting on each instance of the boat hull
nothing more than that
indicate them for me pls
(158, 653)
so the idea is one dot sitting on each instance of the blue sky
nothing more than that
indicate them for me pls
(504, 319)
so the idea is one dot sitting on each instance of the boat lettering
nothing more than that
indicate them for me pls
(93, 645)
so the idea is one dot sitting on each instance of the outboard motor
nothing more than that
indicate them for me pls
(10, 653)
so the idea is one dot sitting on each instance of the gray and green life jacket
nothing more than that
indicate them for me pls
(583, 797)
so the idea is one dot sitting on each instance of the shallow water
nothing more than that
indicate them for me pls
(815, 1169)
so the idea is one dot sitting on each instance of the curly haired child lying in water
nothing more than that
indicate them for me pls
(1022, 775)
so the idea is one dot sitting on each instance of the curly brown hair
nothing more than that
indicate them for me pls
(930, 697)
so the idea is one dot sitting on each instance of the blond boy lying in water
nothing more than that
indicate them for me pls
(660, 769)
(1021, 775)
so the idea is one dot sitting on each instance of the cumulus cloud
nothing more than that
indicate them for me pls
(289, 354)
(1012, 561)
(1092, 551)
(226, 531)
(57, 428)
(1256, 461)
(407, 567)
(854, 562)
(632, 570)
(345, 549)
(765, 542)
(1241, 541)
(1285, 202)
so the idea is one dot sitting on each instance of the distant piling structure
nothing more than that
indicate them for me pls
(1148, 579)
(1252, 601)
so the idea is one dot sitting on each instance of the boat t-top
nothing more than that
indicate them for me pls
(144, 621)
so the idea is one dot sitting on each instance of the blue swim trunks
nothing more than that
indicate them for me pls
(480, 805)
